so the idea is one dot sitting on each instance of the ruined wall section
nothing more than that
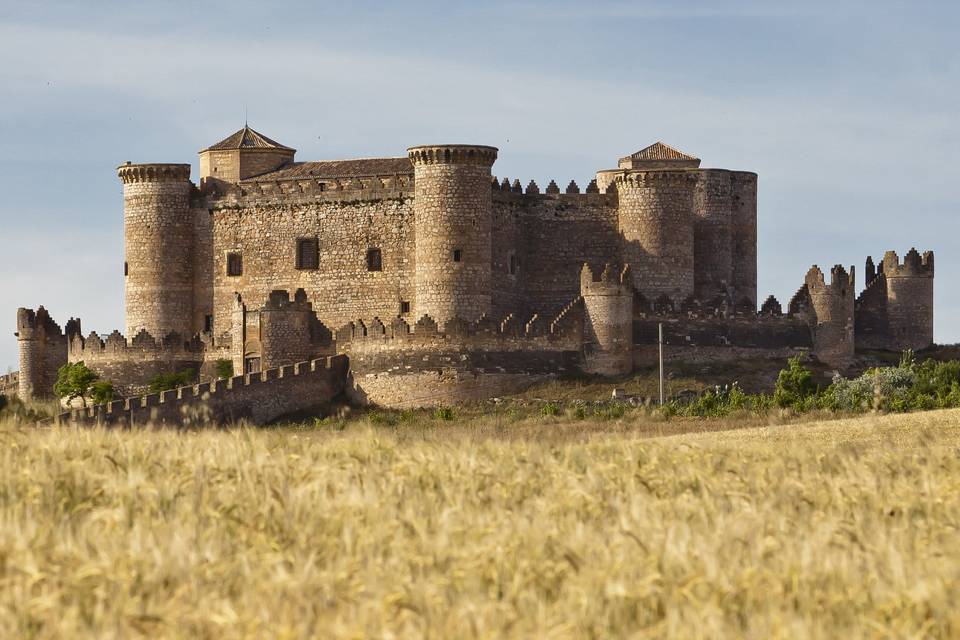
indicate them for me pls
(453, 220)
(257, 398)
(9, 383)
(656, 220)
(43, 350)
(158, 243)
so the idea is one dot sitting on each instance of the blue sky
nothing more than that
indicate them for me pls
(847, 111)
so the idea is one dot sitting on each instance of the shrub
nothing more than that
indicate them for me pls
(73, 381)
(794, 385)
(443, 413)
(224, 368)
(549, 409)
(168, 381)
(101, 392)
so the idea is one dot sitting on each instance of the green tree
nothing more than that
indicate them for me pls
(101, 392)
(794, 384)
(73, 381)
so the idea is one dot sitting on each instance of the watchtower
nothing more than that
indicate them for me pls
(608, 334)
(831, 316)
(158, 234)
(909, 299)
(452, 224)
(43, 350)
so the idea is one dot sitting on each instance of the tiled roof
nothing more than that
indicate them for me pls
(247, 138)
(660, 151)
(339, 169)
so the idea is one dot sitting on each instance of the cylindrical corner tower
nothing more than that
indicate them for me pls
(453, 213)
(744, 235)
(712, 234)
(158, 243)
(656, 222)
(909, 300)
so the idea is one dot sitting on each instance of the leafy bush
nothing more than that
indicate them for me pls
(101, 392)
(550, 409)
(443, 413)
(73, 381)
(168, 381)
(224, 368)
(795, 385)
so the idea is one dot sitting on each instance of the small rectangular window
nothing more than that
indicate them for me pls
(208, 323)
(234, 264)
(457, 255)
(126, 269)
(374, 260)
(404, 306)
(308, 253)
(514, 264)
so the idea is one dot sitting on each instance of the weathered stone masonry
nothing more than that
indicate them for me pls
(442, 283)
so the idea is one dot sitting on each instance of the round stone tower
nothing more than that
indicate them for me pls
(608, 334)
(656, 222)
(713, 254)
(909, 299)
(744, 235)
(158, 236)
(832, 314)
(452, 221)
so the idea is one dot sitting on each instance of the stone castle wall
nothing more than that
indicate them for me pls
(131, 364)
(427, 365)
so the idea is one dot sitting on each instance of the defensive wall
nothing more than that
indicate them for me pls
(258, 398)
(399, 365)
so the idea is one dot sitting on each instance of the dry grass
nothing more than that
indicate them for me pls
(846, 529)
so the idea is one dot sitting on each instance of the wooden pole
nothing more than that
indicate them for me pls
(660, 344)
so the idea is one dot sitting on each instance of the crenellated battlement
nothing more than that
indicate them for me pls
(173, 346)
(486, 333)
(656, 178)
(258, 398)
(608, 281)
(913, 265)
(130, 173)
(453, 154)
(841, 282)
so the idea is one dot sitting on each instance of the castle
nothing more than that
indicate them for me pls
(424, 279)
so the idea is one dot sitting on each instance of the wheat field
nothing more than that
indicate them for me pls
(844, 528)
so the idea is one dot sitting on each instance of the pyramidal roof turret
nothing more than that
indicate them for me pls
(247, 138)
(659, 156)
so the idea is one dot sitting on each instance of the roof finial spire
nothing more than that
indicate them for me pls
(246, 120)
